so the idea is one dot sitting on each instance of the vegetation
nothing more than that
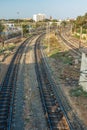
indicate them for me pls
(78, 92)
(63, 56)
(63, 23)
(9, 48)
(81, 21)
(25, 28)
(1, 29)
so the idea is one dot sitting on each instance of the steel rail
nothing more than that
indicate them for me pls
(76, 124)
(68, 43)
(8, 90)
(48, 96)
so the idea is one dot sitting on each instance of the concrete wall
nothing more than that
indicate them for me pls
(83, 73)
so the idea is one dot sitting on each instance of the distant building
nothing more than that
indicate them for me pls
(51, 18)
(10, 25)
(35, 17)
(39, 17)
(27, 19)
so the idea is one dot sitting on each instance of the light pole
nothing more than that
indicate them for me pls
(48, 35)
(18, 17)
(48, 38)
(80, 37)
(21, 31)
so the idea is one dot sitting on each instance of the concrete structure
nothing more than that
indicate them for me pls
(10, 25)
(39, 17)
(83, 70)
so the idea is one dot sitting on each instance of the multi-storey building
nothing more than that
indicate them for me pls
(39, 17)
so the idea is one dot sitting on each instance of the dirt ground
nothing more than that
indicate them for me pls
(27, 93)
(67, 75)
(6, 56)
(34, 118)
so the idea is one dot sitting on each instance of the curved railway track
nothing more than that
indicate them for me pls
(52, 110)
(8, 89)
(73, 47)
(57, 110)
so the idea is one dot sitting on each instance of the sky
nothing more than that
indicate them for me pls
(58, 9)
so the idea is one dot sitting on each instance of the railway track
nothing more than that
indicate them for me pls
(73, 47)
(8, 90)
(52, 110)
(57, 110)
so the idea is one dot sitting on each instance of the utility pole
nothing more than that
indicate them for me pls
(80, 37)
(21, 31)
(18, 17)
(71, 28)
(48, 36)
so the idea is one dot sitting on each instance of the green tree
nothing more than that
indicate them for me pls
(64, 23)
(25, 28)
(1, 28)
(1, 35)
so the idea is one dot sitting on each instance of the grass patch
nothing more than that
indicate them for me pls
(27, 119)
(54, 53)
(11, 47)
(63, 56)
(66, 60)
(78, 92)
(77, 36)
(7, 48)
(2, 50)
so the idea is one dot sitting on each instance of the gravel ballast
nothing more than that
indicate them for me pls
(29, 112)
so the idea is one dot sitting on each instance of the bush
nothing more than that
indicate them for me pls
(78, 92)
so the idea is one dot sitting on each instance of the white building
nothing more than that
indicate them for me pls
(39, 17)
(9, 25)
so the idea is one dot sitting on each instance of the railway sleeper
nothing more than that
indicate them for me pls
(62, 128)
(3, 117)
(4, 100)
(54, 124)
(3, 122)
(5, 96)
(53, 117)
(45, 91)
(5, 83)
(53, 112)
(5, 93)
(2, 110)
(8, 93)
(6, 88)
(4, 113)
(4, 105)
(47, 96)
(2, 127)
(48, 100)
(49, 106)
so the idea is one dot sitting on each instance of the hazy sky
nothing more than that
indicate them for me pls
(59, 9)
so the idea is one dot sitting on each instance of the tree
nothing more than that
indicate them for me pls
(25, 29)
(1, 35)
(1, 28)
(64, 23)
